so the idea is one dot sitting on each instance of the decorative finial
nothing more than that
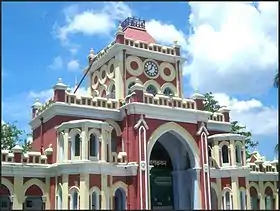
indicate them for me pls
(91, 51)
(120, 29)
(59, 80)
(68, 89)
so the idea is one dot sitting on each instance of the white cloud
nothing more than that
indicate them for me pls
(43, 95)
(91, 22)
(234, 46)
(258, 118)
(57, 63)
(166, 33)
(73, 65)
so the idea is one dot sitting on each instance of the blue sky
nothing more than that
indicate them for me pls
(234, 56)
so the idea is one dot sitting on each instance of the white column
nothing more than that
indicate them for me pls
(235, 193)
(85, 143)
(84, 191)
(119, 72)
(248, 202)
(232, 153)
(65, 191)
(66, 141)
(19, 196)
(261, 194)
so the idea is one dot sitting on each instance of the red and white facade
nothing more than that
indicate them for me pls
(94, 151)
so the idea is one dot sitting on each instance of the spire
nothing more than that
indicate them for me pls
(76, 83)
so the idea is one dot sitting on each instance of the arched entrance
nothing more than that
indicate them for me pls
(33, 199)
(5, 200)
(172, 178)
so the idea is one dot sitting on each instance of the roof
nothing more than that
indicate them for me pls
(138, 34)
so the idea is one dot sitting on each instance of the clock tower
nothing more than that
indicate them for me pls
(134, 54)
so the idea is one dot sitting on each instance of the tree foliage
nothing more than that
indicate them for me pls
(276, 80)
(11, 136)
(212, 105)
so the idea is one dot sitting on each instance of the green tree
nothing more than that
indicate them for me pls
(11, 136)
(276, 80)
(212, 105)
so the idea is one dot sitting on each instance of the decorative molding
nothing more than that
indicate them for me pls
(201, 129)
(172, 75)
(227, 136)
(139, 62)
(140, 122)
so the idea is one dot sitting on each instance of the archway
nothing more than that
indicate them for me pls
(33, 199)
(172, 179)
(5, 201)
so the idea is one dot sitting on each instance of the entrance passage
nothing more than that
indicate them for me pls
(161, 179)
(172, 178)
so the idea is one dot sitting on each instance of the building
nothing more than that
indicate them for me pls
(134, 142)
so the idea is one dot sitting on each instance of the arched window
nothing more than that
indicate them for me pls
(76, 145)
(227, 200)
(254, 199)
(120, 199)
(129, 86)
(59, 198)
(93, 146)
(94, 201)
(269, 199)
(238, 154)
(5, 202)
(243, 199)
(113, 92)
(225, 155)
(168, 91)
(74, 200)
(113, 141)
(152, 89)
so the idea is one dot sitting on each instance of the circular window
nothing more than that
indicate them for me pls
(134, 65)
(152, 90)
(111, 69)
(103, 75)
(167, 71)
(94, 79)
(168, 92)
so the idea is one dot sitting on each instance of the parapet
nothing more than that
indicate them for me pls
(258, 163)
(16, 155)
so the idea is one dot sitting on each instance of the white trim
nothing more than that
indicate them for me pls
(219, 126)
(227, 136)
(166, 113)
(229, 172)
(68, 167)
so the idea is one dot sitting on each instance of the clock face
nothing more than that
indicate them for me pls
(151, 69)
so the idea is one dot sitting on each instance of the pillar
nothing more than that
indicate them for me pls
(232, 152)
(119, 62)
(65, 191)
(66, 143)
(105, 194)
(19, 197)
(47, 194)
(216, 152)
(84, 191)
(235, 193)
(248, 198)
(219, 194)
(261, 194)
(85, 155)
